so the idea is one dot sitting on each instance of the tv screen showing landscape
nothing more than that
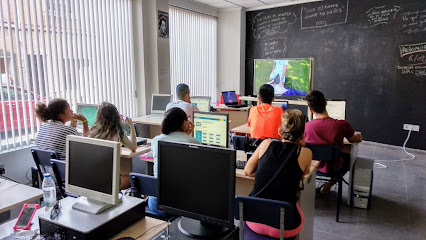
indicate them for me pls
(289, 77)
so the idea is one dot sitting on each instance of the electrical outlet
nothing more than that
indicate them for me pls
(414, 128)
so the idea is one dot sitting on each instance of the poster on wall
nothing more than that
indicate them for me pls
(163, 24)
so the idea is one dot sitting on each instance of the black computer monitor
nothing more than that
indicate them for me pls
(211, 128)
(198, 183)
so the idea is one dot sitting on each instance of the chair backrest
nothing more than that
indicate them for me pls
(58, 167)
(42, 159)
(324, 152)
(273, 213)
(246, 144)
(143, 184)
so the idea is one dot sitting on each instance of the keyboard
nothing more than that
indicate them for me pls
(156, 115)
(240, 164)
(237, 106)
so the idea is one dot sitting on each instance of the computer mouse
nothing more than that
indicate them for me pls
(126, 238)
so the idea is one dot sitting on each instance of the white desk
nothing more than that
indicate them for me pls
(154, 124)
(151, 225)
(13, 195)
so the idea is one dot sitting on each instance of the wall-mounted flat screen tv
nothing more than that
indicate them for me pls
(289, 77)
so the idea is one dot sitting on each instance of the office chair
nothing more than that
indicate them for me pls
(59, 168)
(144, 185)
(42, 161)
(245, 143)
(276, 214)
(328, 153)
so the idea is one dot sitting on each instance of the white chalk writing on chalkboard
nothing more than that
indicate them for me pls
(381, 15)
(413, 59)
(414, 22)
(270, 24)
(274, 48)
(324, 14)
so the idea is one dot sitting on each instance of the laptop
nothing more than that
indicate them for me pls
(230, 99)
(202, 103)
(158, 105)
(89, 111)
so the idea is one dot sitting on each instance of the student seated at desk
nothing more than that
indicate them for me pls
(176, 127)
(53, 133)
(278, 168)
(108, 127)
(264, 120)
(328, 131)
(184, 100)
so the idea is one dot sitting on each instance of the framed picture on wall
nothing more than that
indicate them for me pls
(163, 24)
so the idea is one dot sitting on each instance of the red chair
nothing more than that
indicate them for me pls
(222, 102)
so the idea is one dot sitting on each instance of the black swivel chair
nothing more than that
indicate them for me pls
(273, 213)
(144, 185)
(59, 170)
(42, 161)
(330, 153)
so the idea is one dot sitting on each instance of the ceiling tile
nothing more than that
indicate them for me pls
(249, 3)
(223, 5)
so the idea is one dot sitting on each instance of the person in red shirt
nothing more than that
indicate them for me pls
(325, 130)
(264, 120)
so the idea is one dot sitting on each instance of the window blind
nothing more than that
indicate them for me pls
(77, 50)
(193, 52)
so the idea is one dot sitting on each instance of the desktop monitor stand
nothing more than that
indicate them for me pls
(90, 206)
(196, 229)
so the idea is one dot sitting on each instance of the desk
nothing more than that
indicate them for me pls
(237, 116)
(14, 195)
(127, 155)
(154, 124)
(151, 225)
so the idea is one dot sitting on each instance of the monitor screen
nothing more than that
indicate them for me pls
(230, 97)
(211, 128)
(289, 77)
(202, 103)
(203, 187)
(159, 102)
(89, 111)
(93, 168)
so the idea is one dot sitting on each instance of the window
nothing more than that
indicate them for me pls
(77, 50)
(193, 54)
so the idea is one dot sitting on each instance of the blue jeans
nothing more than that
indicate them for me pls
(152, 204)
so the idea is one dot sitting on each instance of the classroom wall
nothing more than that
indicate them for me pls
(231, 33)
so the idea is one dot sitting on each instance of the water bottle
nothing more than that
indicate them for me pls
(49, 191)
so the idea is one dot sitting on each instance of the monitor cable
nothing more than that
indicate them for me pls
(412, 156)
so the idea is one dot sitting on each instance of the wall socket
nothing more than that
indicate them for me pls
(414, 128)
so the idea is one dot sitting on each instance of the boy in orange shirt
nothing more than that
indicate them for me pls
(265, 120)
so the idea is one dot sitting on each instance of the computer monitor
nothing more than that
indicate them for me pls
(202, 103)
(198, 183)
(159, 102)
(291, 77)
(230, 98)
(93, 171)
(211, 128)
(89, 111)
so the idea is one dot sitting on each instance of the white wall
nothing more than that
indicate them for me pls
(231, 33)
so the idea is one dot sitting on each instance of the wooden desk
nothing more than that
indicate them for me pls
(151, 225)
(154, 124)
(241, 130)
(237, 116)
(13, 195)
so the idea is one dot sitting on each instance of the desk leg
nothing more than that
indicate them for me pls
(354, 155)
(307, 199)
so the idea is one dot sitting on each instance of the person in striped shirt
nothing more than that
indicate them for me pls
(53, 133)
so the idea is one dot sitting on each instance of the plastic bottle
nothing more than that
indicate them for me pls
(49, 191)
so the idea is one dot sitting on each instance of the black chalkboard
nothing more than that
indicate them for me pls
(371, 53)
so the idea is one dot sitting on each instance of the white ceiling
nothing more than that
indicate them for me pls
(250, 3)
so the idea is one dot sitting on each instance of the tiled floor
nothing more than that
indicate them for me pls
(398, 207)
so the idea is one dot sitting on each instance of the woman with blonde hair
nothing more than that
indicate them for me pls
(278, 168)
